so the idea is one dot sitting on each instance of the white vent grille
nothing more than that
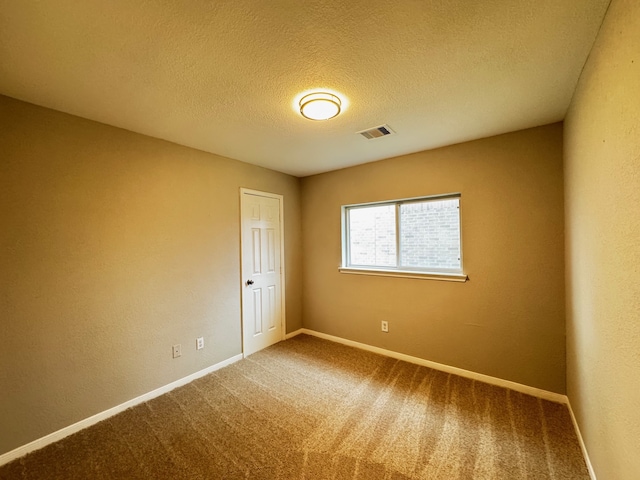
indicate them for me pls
(377, 132)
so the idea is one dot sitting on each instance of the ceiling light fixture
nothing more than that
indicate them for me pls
(320, 106)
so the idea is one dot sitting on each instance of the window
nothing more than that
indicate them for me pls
(412, 237)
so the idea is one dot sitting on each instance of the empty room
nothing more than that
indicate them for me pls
(320, 240)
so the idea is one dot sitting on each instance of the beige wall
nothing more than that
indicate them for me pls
(114, 246)
(508, 320)
(602, 175)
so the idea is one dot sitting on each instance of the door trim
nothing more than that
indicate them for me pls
(283, 315)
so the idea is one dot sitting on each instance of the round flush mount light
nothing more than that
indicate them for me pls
(320, 106)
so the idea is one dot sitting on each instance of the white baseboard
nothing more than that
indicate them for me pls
(518, 387)
(293, 334)
(583, 447)
(87, 422)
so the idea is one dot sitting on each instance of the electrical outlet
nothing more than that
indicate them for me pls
(199, 343)
(385, 326)
(177, 350)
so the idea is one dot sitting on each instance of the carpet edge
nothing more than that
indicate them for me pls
(481, 377)
(98, 417)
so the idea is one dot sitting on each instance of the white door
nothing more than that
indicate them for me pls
(262, 271)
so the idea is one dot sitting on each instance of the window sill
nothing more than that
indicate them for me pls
(445, 277)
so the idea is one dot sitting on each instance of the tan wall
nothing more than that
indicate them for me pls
(602, 175)
(114, 246)
(508, 320)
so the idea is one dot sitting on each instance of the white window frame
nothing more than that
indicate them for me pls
(404, 272)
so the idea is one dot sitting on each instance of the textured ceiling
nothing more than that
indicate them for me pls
(223, 76)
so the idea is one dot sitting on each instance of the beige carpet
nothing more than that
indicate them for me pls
(312, 409)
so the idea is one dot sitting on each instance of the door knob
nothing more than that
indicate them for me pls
(249, 282)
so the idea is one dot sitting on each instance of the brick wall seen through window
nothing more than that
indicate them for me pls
(428, 229)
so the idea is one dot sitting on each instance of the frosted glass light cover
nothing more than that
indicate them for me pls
(320, 106)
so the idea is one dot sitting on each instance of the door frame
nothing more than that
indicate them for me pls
(283, 316)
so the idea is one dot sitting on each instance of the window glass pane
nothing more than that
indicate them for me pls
(430, 234)
(372, 236)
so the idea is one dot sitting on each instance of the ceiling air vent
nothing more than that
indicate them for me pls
(377, 132)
